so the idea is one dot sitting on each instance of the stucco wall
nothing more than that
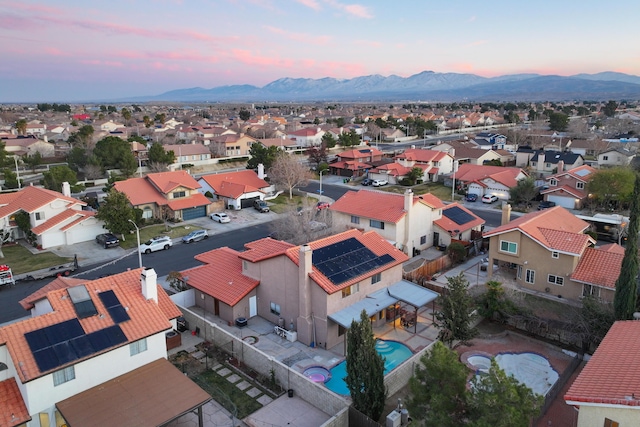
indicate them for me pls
(593, 416)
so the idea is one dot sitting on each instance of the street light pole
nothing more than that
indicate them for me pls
(320, 190)
(138, 237)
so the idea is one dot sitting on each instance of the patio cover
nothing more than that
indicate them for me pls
(403, 290)
(151, 395)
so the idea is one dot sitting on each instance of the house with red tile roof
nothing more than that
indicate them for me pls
(189, 153)
(483, 179)
(56, 219)
(543, 249)
(357, 162)
(434, 163)
(456, 223)
(568, 188)
(314, 291)
(58, 365)
(231, 145)
(597, 272)
(238, 189)
(307, 137)
(607, 391)
(406, 221)
(172, 195)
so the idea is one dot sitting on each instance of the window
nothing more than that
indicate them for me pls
(64, 375)
(547, 165)
(611, 423)
(605, 158)
(376, 278)
(423, 240)
(580, 185)
(355, 219)
(533, 164)
(178, 194)
(519, 272)
(138, 347)
(510, 247)
(275, 308)
(376, 224)
(350, 290)
(556, 280)
(553, 182)
(245, 264)
(39, 216)
(530, 276)
(590, 291)
(555, 255)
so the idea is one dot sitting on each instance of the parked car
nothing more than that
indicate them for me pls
(260, 206)
(546, 205)
(220, 217)
(379, 182)
(489, 198)
(322, 205)
(195, 236)
(107, 240)
(367, 181)
(471, 197)
(157, 243)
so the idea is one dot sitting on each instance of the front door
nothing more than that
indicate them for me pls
(436, 238)
(216, 307)
(253, 306)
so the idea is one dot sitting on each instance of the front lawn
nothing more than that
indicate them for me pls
(150, 231)
(22, 261)
(438, 190)
(283, 203)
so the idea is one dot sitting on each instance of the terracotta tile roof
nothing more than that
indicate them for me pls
(424, 156)
(146, 318)
(166, 182)
(393, 169)
(70, 216)
(305, 132)
(187, 149)
(611, 376)
(30, 199)
(228, 184)
(263, 249)
(361, 153)
(59, 283)
(474, 173)
(372, 240)
(192, 201)
(380, 205)
(350, 165)
(571, 190)
(139, 191)
(221, 277)
(599, 266)
(447, 224)
(13, 411)
(556, 229)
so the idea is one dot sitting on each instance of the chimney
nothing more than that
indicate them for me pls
(66, 189)
(260, 171)
(560, 166)
(149, 284)
(408, 203)
(506, 213)
(408, 200)
(305, 314)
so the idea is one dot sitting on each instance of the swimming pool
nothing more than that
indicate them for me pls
(394, 353)
(317, 374)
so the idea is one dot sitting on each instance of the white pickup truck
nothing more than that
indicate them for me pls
(6, 276)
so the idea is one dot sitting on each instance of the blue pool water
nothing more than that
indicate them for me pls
(394, 353)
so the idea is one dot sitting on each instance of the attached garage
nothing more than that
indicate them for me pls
(247, 203)
(565, 202)
(193, 213)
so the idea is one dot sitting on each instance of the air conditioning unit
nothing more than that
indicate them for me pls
(394, 419)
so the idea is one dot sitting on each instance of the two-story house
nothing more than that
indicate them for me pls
(434, 163)
(598, 270)
(406, 221)
(607, 391)
(168, 195)
(543, 249)
(189, 153)
(94, 355)
(314, 290)
(306, 137)
(356, 162)
(231, 145)
(615, 157)
(483, 179)
(541, 163)
(568, 188)
(238, 189)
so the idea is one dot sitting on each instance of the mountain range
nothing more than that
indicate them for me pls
(426, 86)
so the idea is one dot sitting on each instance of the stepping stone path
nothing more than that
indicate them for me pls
(244, 385)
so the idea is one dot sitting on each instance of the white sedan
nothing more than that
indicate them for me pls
(220, 217)
(489, 198)
(379, 182)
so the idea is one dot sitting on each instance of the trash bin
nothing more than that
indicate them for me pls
(290, 392)
(241, 322)
(182, 324)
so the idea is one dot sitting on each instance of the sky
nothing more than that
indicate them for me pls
(73, 51)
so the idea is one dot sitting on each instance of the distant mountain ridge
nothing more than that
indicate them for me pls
(425, 86)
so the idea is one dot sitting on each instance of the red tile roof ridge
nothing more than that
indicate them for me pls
(266, 248)
(14, 411)
(599, 267)
(539, 219)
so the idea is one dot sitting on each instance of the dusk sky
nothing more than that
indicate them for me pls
(68, 50)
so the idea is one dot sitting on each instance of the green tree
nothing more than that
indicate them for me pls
(110, 151)
(349, 139)
(558, 121)
(454, 317)
(626, 293)
(147, 121)
(126, 114)
(21, 126)
(438, 389)
(610, 108)
(328, 140)
(116, 211)
(524, 191)
(32, 160)
(160, 117)
(54, 177)
(128, 164)
(10, 179)
(414, 175)
(456, 252)
(499, 400)
(244, 115)
(157, 154)
(77, 158)
(82, 137)
(261, 155)
(365, 369)
(4, 158)
(611, 185)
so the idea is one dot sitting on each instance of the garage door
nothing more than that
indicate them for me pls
(565, 202)
(192, 213)
(247, 203)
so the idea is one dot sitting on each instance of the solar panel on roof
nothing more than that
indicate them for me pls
(109, 298)
(82, 301)
(37, 340)
(46, 359)
(118, 313)
(115, 335)
(82, 346)
(457, 215)
(64, 352)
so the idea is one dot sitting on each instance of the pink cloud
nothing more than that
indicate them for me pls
(300, 37)
(356, 10)
(52, 51)
(312, 4)
(477, 43)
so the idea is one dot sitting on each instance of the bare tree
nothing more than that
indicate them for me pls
(158, 167)
(288, 172)
(302, 223)
(92, 171)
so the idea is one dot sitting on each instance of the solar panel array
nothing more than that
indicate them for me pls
(457, 215)
(347, 259)
(65, 342)
(113, 306)
(82, 301)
